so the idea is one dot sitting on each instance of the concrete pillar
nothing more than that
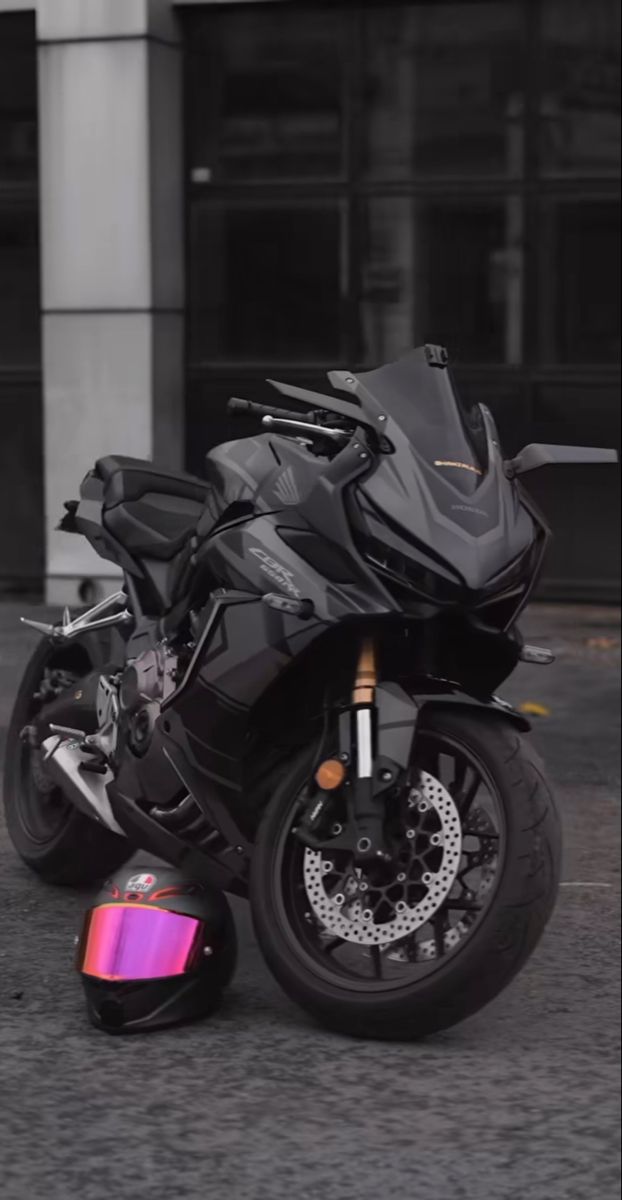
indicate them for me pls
(110, 99)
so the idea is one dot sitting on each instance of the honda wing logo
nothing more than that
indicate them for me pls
(286, 489)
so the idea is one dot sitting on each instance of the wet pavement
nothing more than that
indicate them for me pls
(520, 1101)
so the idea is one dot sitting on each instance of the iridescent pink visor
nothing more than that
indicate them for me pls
(125, 942)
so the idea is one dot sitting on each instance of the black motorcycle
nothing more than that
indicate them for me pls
(293, 696)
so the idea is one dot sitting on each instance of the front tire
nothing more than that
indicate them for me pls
(465, 978)
(53, 838)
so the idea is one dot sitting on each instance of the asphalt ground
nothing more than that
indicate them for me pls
(520, 1101)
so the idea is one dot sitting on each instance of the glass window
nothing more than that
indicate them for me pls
(579, 281)
(580, 90)
(265, 281)
(21, 485)
(18, 99)
(581, 503)
(19, 288)
(443, 89)
(442, 270)
(578, 414)
(267, 96)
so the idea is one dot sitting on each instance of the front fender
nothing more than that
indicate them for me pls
(499, 707)
(401, 709)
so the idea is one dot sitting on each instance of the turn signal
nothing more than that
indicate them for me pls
(330, 774)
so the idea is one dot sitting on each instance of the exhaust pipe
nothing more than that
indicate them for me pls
(65, 763)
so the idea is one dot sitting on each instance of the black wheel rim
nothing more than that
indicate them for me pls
(406, 961)
(43, 812)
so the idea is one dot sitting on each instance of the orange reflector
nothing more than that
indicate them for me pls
(330, 774)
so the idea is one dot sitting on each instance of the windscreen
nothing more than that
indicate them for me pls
(447, 432)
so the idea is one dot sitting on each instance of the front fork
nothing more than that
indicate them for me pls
(358, 727)
(363, 707)
(376, 733)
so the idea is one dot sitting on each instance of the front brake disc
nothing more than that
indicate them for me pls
(344, 906)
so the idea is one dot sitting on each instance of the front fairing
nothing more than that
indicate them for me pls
(469, 538)
(433, 488)
(439, 484)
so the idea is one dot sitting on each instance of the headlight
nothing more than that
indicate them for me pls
(406, 577)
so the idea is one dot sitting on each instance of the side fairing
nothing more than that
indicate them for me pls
(247, 649)
(253, 557)
(246, 645)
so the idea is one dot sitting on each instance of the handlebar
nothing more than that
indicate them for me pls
(320, 424)
(247, 408)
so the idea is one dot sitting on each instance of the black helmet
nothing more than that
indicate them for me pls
(157, 948)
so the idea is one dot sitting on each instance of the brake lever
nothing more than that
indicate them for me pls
(335, 435)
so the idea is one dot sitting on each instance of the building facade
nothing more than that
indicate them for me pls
(196, 197)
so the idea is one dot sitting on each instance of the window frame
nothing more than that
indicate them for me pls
(530, 186)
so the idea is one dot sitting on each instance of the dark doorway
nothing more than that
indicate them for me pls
(21, 469)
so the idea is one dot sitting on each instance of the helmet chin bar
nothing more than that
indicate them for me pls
(92, 619)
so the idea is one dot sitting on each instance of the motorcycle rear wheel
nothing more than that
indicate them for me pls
(455, 974)
(53, 838)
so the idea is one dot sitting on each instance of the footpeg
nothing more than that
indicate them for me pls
(538, 655)
(93, 619)
(67, 732)
(65, 762)
(94, 768)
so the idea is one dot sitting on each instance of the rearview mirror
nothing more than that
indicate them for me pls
(539, 455)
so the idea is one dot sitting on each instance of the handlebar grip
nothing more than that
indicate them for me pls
(237, 407)
(247, 408)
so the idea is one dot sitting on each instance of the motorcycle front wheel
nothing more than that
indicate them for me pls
(404, 951)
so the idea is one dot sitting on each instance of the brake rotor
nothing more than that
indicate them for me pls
(480, 824)
(348, 903)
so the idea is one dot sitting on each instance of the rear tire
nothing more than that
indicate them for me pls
(53, 838)
(512, 924)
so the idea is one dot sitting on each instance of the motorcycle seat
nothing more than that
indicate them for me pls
(151, 510)
(129, 478)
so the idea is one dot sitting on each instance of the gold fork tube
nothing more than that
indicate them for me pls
(366, 674)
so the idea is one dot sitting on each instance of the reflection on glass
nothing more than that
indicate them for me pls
(580, 103)
(442, 270)
(443, 89)
(579, 284)
(265, 282)
(19, 289)
(267, 96)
